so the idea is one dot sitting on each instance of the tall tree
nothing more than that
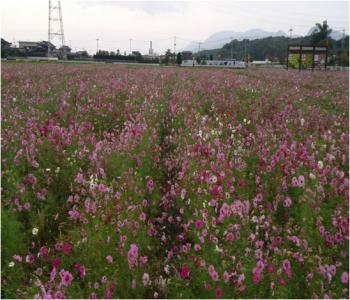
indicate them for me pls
(179, 58)
(167, 56)
(321, 33)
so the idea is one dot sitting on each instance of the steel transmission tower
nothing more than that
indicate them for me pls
(55, 30)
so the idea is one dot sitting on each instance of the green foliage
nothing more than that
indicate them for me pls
(12, 236)
(179, 58)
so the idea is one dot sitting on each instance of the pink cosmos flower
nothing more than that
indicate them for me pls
(241, 278)
(229, 236)
(295, 182)
(109, 258)
(344, 277)
(143, 260)
(53, 274)
(150, 185)
(66, 277)
(226, 277)
(59, 246)
(17, 258)
(82, 271)
(257, 277)
(79, 178)
(144, 203)
(31, 179)
(74, 214)
(199, 224)
(301, 181)
(133, 255)
(44, 252)
(101, 188)
(286, 265)
(30, 258)
(58, 295)
(332, 270)
(287, 202)
(142, 216)
(213, 274)
(133, 284)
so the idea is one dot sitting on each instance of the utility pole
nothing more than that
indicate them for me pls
(290, 32)
(130, 46)
(231, 47)
(49, 31)
(199, 46)
(175, 45)
(326, 33)
(97, 45)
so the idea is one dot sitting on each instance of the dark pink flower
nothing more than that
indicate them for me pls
(218, 292)
(56, 262)
(282, 281)
(199, 224)
(185, 272)
(67, 248)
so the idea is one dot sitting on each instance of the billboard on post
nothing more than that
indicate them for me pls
(307, 57)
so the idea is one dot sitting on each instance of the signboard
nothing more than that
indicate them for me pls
(307, 57)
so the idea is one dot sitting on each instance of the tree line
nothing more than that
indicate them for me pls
(275, 48)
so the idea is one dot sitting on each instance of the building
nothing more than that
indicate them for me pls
(5, 44)
(65, 49)
(261, 62)
(36, 48)
(229, 63)
(136, 53)
(187, 55)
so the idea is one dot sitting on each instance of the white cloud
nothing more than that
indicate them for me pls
(150, 7)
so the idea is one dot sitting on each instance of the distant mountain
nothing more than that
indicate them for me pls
(218, 39)
(335, 34)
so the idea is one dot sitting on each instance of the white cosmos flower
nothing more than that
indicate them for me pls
(320, 164)
(11, 264)
(35, 231)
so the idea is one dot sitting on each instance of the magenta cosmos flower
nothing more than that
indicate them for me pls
(185, 272)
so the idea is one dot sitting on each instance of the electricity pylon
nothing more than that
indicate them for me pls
(55, 29)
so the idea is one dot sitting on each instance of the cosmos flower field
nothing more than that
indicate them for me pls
(164, 182)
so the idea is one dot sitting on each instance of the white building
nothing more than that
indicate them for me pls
(230, 63)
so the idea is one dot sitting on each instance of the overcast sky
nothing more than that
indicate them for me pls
(115, 22)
